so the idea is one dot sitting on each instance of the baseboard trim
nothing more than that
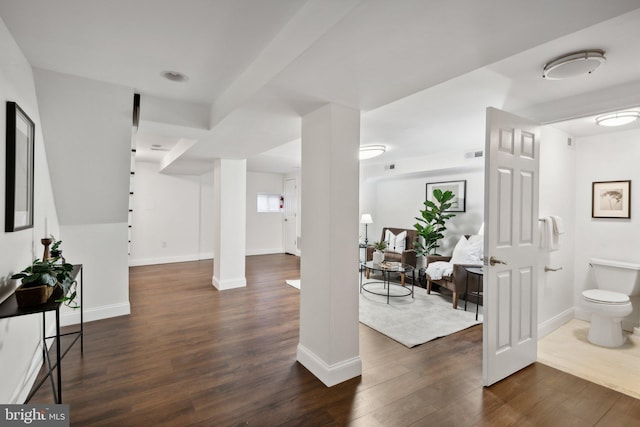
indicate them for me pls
(164, 260)
(265, 251)
(229, 283)
(548, 326)
(332, 374)
(203, 256)
(97, 313)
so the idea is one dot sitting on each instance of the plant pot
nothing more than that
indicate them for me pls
(378, 257)
(36, 295)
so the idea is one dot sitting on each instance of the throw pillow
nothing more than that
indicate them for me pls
(396, 243)
(468, 251)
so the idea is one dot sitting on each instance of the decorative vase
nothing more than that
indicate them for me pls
(34, 295)
(378, 257)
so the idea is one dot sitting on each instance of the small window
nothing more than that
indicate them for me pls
(269, 203)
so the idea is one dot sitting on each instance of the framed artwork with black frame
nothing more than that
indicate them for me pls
(458, 188)
(611, 199)
(19, 169)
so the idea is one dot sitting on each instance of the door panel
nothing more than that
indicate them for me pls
(511, 217)
(290, 216)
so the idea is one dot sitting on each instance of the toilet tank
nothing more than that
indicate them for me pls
(616, 276)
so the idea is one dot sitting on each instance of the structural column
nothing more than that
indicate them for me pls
(230, 200)
(328, 344)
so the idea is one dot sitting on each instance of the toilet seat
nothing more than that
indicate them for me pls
(600, 296)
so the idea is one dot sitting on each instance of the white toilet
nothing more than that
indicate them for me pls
(610, 303)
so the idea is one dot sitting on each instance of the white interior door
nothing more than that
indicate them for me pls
(290, 210)
(511, 241)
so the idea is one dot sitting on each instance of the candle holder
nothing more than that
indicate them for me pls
(46, 242)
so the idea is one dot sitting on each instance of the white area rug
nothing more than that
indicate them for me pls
(412, 322)
(294, 283)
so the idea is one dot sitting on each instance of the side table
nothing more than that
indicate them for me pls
(478, 272)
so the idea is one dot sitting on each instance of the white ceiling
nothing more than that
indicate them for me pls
(422, 72)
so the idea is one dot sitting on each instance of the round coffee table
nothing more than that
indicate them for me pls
(387, 269)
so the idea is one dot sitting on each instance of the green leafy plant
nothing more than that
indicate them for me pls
(56, 252)
(431, 225)
(380, 246)
(50, 273)
(56, 245)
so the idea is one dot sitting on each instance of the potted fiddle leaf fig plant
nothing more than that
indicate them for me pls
(431, 225)
(40, 280)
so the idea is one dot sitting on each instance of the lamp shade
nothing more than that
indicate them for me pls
(366, 219)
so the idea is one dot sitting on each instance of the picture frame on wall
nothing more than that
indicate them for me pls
(19, 169)
(458, 188)
(611, 199)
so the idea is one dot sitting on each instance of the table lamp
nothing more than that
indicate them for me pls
(366, 220)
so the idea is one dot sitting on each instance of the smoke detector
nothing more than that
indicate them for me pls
(174, 76)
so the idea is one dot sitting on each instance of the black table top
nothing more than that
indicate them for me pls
(9, 307)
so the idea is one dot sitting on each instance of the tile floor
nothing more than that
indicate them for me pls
(568, 350)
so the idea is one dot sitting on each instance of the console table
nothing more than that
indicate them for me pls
(9, 308)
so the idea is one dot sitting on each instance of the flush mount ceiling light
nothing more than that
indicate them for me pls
(371, 151)
(573, 64)
(618, 119)
(174, 76)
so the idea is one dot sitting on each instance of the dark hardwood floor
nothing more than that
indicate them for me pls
(190, 355)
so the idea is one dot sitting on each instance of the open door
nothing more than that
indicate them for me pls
(511, 240)
(290, 213)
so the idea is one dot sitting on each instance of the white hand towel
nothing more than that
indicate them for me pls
(546, 235)
(558, 225)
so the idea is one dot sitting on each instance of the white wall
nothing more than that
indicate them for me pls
(397, 201)
(169, 213)
(557, 187)
(173, 216)
(20, 356)
(264, 229)
(87, 125)
(610, 157)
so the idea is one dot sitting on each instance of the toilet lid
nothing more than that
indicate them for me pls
(607, 297)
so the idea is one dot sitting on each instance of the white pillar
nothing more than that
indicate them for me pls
(329, 346)
(230, 200)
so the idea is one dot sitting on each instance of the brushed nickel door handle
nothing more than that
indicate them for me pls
(493, 261)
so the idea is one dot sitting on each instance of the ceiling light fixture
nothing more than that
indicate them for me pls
(371, 151)
(618, 118)
(573, 64)
(174, 76)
